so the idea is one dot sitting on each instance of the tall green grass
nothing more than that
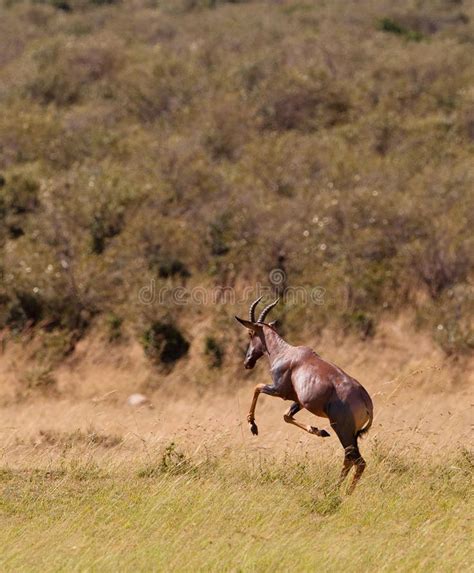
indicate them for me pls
(238, 512)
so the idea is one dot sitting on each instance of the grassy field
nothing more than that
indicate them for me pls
(89, 484)
(230, 511)
(192, 151)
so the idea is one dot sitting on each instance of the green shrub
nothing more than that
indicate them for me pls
(219, 235)
(24, 310)
(393, 27)
(58, 4)
(114, 325)
(164, 343)
(105, 225)
(202, 142)
(67, 72)
(450, 319)
(214, 352)
(308, 105)
(19, 196)
(360, 322)
(440, 266)
(19, 193)
(173, 267)
(164, 265)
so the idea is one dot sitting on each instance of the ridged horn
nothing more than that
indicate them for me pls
(252, 308)
(266, 310)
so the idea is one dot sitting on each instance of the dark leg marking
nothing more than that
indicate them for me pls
(359, 470)
(343, 424)
(294, 409)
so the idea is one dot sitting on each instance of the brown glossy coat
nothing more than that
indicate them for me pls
(303, 376)
(325, 390)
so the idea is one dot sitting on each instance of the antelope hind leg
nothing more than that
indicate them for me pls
(288, 417)
(359, 470)
(352, 457)
(348, 463)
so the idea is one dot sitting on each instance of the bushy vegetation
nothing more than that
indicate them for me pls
(191, 142)
(164, 343)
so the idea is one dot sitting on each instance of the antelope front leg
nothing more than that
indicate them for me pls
(288, 417)
(251, 415)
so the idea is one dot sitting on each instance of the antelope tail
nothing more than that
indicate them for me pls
(363, 431)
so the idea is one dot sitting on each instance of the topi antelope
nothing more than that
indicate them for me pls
(299, 374)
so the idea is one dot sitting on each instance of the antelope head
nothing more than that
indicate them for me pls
(256, 348)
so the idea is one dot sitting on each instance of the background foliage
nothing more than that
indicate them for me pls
(205, 142)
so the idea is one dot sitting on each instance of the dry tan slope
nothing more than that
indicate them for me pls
(423, 401)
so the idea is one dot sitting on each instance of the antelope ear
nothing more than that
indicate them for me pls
(273, 324)
(246, 323)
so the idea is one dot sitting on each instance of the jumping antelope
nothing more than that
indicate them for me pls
(301, 375)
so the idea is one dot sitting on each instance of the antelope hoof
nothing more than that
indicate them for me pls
(321, 433)
(253, 427)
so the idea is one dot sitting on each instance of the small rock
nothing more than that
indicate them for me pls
(137, 400)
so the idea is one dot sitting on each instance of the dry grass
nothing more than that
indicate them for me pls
(88, 483)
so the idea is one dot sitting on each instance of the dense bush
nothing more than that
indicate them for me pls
(214, 352)
(18, 197)
(164, 343)
(393, 27)
(205, 143)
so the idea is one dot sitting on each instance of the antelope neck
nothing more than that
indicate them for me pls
(274, 343)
